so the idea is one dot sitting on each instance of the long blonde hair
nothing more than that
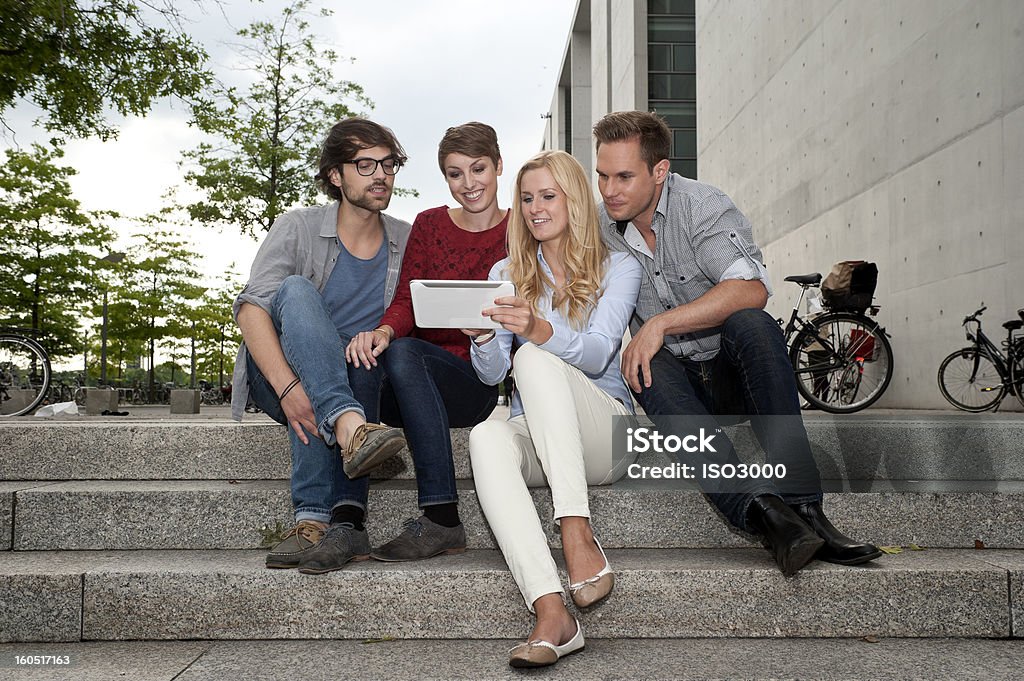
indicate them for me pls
(584, 252)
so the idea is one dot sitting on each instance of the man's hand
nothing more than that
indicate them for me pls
(516, 315)
(299, 411)
(364, 349)
(636, 358)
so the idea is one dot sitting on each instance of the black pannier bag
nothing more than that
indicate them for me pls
(850, 285)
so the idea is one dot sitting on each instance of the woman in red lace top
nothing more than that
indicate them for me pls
(429, 383)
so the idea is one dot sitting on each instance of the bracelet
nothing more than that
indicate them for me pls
(288, 389)
(381, 329)
(483, 338)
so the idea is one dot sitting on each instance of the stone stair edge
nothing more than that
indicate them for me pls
(175, 515)
(660, 593)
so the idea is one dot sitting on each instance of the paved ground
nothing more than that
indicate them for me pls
(877, 660)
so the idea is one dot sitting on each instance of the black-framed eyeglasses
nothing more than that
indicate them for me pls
(368, 166)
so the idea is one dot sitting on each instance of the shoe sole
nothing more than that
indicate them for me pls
(853, 561)
(447, 552)
(526, 664)
(282, 566)
(387, 449)
(321, 571)
(800, 555)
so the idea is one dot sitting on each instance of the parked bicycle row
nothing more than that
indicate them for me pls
(842, 357)
(27, 381)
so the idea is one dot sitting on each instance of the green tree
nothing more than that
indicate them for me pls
(217, 336)
(162, 279)
(76, 59)
(267, 134)
(48, 248)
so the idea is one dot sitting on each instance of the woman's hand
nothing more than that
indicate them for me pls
(367, 346)
(516, 315)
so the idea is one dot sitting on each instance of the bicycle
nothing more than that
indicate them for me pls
(842, 358)
(210, 394)
(24, 372)
(978, 377)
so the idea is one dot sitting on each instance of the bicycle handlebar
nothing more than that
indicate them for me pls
(974, 317)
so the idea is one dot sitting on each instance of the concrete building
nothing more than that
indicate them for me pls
(847, 129)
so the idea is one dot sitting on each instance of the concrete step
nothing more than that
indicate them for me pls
(694, 659)
(668, 593)
(206, 514)
(859, 447)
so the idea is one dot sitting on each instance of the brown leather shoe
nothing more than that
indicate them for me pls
(298, 542)
(371, 445)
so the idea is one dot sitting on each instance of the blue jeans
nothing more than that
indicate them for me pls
(416, 385)
(751, 376)
(316, 352)
(427, 390)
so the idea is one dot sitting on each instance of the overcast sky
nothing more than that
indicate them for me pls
(426, 65)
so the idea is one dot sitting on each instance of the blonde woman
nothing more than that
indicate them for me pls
(573, 301)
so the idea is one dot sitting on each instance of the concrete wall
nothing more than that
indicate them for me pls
(605, 67)
(885, 130)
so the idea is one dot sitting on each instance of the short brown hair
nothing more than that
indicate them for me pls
(648, 128)
(473, 139)
(346, 139)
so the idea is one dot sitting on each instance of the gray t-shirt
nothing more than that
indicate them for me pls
(353, 291)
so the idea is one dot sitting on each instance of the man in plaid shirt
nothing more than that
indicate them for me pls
(703, 346)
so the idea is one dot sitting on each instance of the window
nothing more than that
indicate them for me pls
(672, 76)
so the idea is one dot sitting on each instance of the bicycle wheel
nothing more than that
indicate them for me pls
(843, 362)
(24, 375)
(970, 380)
(1017, 371)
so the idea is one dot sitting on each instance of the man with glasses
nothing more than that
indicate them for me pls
(322, 275)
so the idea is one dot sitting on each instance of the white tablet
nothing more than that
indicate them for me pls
(456, 304)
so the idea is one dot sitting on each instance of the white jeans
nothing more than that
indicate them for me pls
(564, 441)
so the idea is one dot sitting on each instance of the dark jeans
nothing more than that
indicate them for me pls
(751, 376)
(427, 390)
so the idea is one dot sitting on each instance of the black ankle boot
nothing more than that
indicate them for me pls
(788, 537)
(838, 547)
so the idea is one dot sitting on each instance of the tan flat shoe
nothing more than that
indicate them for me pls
(596, 588)
(542, 653)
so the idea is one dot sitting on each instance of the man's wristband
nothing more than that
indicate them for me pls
(288, 389)
(483, 338)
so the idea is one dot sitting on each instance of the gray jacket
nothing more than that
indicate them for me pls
(303, 242)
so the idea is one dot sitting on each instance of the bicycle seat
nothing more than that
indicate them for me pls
(805, 279)
(1013, 324)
